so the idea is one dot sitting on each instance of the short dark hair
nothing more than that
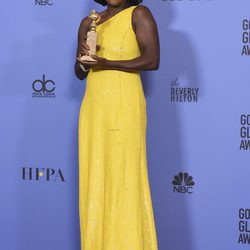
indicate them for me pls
(131, 2)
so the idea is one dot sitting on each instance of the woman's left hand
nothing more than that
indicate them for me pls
(100, 62)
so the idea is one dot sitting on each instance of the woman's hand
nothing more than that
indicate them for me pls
(84, 50)
(99, 63)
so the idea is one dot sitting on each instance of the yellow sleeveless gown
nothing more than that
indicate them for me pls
(115, 205)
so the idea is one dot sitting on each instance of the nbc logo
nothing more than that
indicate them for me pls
(43, 2)
(183, 183)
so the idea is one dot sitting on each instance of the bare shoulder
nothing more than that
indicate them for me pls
(142, 11)
(85, 22)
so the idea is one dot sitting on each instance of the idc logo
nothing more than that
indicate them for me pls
(43, 88)
(43, 2)
(42, 174)
(183, 183)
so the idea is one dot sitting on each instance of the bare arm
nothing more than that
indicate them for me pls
(82, 47)
(148, 41)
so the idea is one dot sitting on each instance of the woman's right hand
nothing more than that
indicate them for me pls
(84, 48)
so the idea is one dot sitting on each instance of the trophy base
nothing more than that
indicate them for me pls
(88, 58)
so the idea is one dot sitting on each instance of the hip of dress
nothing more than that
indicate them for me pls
(114, 88)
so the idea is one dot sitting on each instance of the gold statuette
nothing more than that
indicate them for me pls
(92, 36)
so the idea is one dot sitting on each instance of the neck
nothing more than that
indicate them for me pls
(112, 10)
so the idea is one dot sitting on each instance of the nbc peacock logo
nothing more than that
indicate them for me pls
(183, 183)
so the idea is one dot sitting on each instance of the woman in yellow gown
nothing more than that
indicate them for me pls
(115, 206)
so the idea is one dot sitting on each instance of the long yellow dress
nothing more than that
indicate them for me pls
(115, 205)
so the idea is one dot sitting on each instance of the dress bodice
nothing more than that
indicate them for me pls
(118, 42)
(117, 38)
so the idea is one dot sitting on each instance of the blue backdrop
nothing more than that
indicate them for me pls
(198, 130)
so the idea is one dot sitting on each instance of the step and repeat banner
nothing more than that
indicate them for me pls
(198, 130)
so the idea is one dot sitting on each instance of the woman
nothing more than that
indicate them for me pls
(115, 204)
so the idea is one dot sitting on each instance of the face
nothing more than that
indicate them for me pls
(115, 2)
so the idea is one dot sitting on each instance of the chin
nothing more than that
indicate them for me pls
(114, 2)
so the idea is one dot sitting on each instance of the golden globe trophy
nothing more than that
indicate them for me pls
(92, 36)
